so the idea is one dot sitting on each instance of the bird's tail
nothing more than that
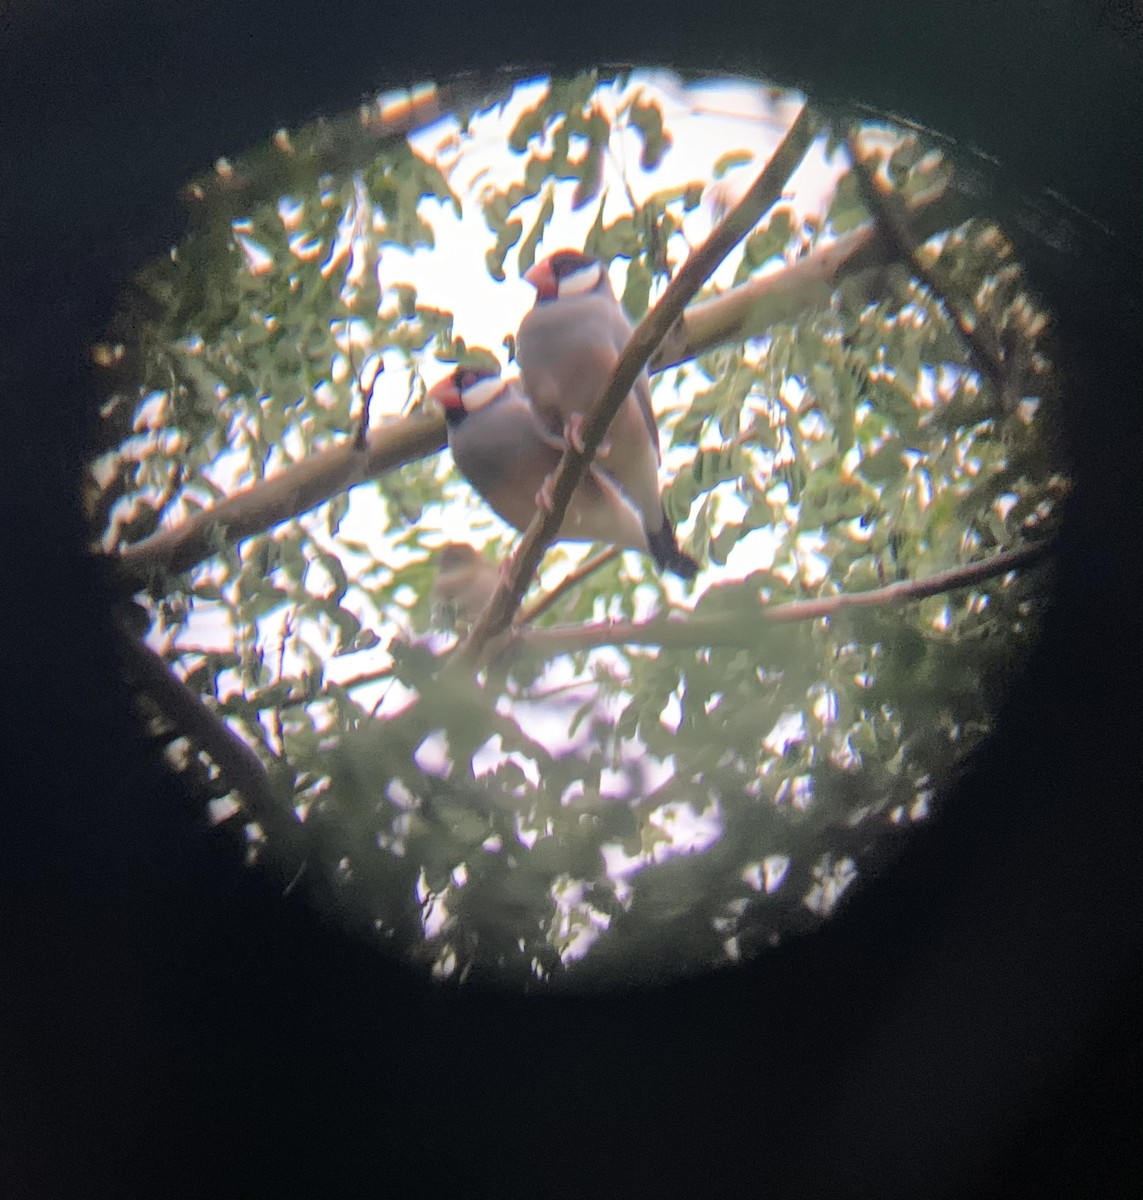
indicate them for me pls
(666, 553)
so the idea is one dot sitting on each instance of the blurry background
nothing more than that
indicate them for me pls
(962, 1030)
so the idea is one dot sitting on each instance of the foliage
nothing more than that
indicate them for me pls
(734, 785)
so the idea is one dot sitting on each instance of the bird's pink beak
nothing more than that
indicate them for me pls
(445, 392)
(540, 276)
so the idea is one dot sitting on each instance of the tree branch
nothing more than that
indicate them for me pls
(908, 590)
(644, 340)
(702, 632)
(345, 143)
(891, 214)
(744, 311)
(361, 436)
(239, 765)
(527, 615)
(754, 306)
(524, 617)
(289, 493)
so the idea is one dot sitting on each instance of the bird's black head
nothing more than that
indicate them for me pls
(461, 392)
(567, 262)
(565, 273)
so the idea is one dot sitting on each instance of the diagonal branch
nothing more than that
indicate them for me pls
(240, 766)
(906, 591)
(524, 617)
(647, 335)
(291, 492)
(755, 305)
(891, 214)
(527, 615)
(703, 632)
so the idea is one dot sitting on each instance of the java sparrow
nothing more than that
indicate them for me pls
(501, 447)
(465, 581)
(567, 347)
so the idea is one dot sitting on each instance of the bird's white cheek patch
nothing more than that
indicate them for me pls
(482, 393)
(581, 282)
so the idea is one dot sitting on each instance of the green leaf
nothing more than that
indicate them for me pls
(433, 183)
(406, 300)
(529, 123)
(637, 289)
(591, 177)
(847, 209)
(366, 640)
(526, 255)
(700, 536)
(712, 467)
(823, 386)
(264, 601)
(337, 574)
(766, 243)
(508, 237)
(335, 513)
(819, 454)
(620, 239)
(730, 160)
(885, 463)
(679, 495)
(346, 624)
(647, 117)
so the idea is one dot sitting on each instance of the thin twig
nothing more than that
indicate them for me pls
(561, 689)
(362, 431)
(765, 190)
(368, 677)
(287, 630)
(908, 590)
(756, 304)
(527, 615)
(891, 214)
(698, 633)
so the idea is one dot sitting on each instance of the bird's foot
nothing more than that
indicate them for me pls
(544, 497)
(573, 433)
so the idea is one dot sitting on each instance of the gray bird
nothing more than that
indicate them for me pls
(501, 447)
(567, 346)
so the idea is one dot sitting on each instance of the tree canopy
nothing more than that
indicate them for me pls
(641, 777)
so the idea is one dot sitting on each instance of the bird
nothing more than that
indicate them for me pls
(464, 582)
(507, 454)
(567, 346)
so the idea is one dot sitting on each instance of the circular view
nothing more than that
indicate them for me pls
(575, 528)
